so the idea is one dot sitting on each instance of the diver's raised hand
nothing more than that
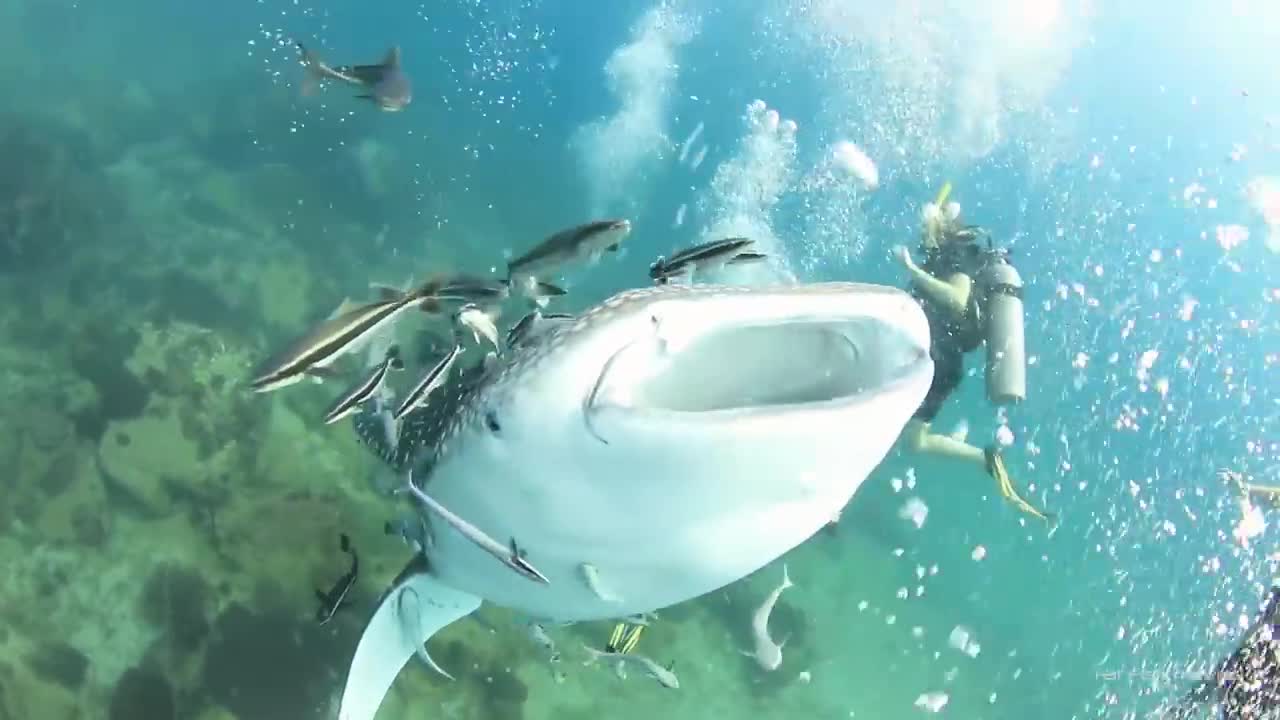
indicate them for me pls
(903, 255)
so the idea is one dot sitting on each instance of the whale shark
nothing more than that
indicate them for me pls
(661, 445)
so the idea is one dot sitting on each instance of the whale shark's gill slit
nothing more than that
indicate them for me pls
(590, 399)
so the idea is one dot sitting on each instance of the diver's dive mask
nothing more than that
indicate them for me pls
(938, 222)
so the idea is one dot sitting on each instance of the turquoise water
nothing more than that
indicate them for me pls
(172, 208)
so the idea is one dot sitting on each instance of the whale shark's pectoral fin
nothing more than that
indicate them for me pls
(415, 608)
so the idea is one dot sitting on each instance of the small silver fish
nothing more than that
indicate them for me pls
(665, 676)
(365, 390)
(479, 323)
(592, 577)
(538, 634)
(432, 380)
(385, 84)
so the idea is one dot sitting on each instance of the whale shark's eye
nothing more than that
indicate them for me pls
(491, 421)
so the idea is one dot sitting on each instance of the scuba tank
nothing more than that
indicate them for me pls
(1005, 333)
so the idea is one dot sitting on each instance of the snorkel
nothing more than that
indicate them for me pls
(936, 217)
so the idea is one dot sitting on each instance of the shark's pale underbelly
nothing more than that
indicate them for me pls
(662, 518)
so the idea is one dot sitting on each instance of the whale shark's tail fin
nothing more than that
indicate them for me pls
(416, 607)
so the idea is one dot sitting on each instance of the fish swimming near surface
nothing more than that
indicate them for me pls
(767, 652)
(580, 243)
(345, 332)
(349, 402)
(385, 84)
(676, 438)
(701, 258)
(338, 596)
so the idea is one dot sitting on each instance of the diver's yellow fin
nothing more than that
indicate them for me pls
(995, 466)
(615, 639)
(943, 194)
(632, 638)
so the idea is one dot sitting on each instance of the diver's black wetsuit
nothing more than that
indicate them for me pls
(1246, 684)
(950, 337)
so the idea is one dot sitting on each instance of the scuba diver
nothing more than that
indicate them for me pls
(1246, 683)
(970, 295)
(1247, 488)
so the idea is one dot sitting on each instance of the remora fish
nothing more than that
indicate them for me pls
(337, 596)
(747, 258)
(704, 257)
(535, 322)
(432, 380)
(365, 390)
(385, 84)
(586, 242)
(458, 288)
(346, 332)
(719, 407)
(768, 653)
(510, 554)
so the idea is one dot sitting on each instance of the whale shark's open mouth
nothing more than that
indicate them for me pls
(758, 367)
